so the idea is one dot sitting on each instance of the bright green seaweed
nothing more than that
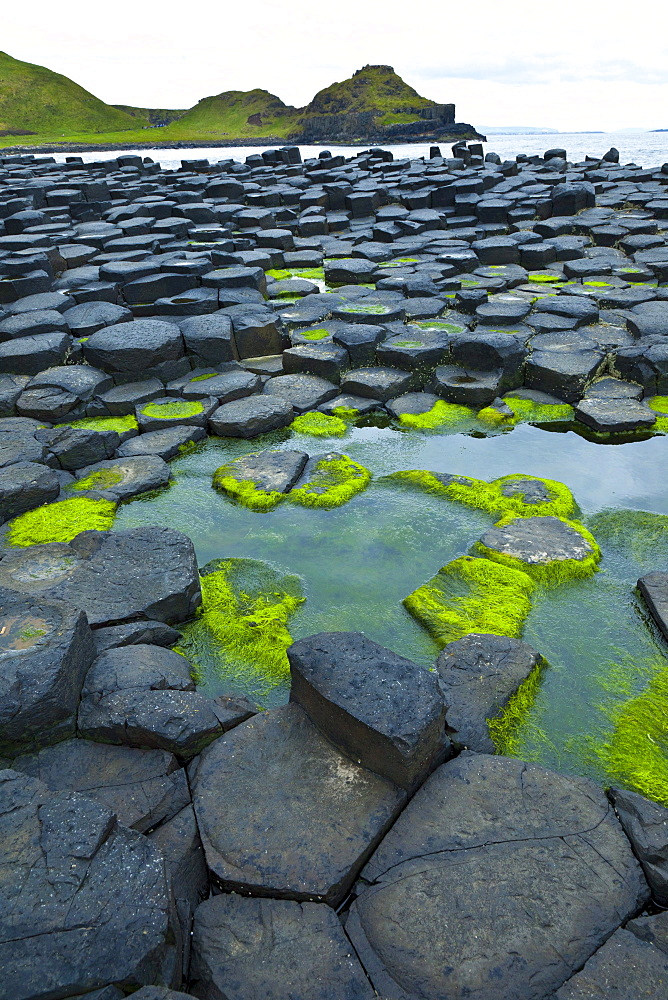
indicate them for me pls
(61, 521)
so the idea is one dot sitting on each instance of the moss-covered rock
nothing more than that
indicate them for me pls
(61, 521)
(329, 481)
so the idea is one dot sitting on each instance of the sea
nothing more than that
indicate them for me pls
(647, 149)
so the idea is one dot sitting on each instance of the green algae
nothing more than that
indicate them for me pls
(441, 415)
(203, 378)
(640, 534)
(660, 405)
(508, 729)
(313, 334)
(544, 278)
(119, 424)
(472, 595)
(527, 411)
(61, 521)
(182, 409)
(635, 753)
(241, 630)
(491, 497)
(319, 425)
(101, 479)
(334, 481)
(437, 325)
(245, 491)
(345, 412)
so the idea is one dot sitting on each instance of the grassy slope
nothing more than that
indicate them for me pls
(373, 88)
(152, 116)
(226, 116)
(36, 98)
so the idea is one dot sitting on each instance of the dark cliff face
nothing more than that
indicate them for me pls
(367, 126)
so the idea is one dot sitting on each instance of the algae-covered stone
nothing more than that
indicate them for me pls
(549, 546)
(86, 902)
(166, 443)
(144, 573)
(329, 480)
(381, 709)
(499, 879)
(283, 813)
(142, 787)
(472, 595)
(259, 480)
(168, 411)
(46, 647)
(273, 948)
(478, 674)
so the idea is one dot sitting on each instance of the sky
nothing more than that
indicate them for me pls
(575, 65)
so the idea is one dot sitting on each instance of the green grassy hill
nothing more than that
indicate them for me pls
(36, 99)
(235, 114)
(372, 88)
(151, 116)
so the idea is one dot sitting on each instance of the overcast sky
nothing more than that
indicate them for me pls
(571, 65)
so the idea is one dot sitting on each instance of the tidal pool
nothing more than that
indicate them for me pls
(358, 561)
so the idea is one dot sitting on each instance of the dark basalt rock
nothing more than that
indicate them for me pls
(376, 383)
(31, 355)
(169, 442)
(25, 485)
(95, 906)
(653, 929)
(209, 339)
(46, 647)
(624, 966)
(77, 447)
(537, 541)
(478, 675)
(302, 392)
(273, 948)
(136, 475)
(246, 418)
(224, 388)
(130, 351)
(144, 696)
(142, 787)
(283, 813)
(467, 386)
(615, 415)
(646, 825)
(412, 402)
(135, 633)
(179, 842)
(144, 573)
(654, 589)
(381, 709)
(162, 413)
(535, 861)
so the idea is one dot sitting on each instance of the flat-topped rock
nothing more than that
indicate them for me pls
(478, 675)
(142, 787)
(381, 709)
(623, 967)
(271, 471)
(282, 812)
(169, 442)
(148, 573)
(253, 415)
(537, 541)
(646, 825)
(615, 415)
(120, 478)
(273, 948)
(88, 904)
(535, 862)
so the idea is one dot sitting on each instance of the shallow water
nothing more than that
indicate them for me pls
(644, 148)
(358, 561)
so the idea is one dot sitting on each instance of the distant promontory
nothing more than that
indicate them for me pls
(41, 108)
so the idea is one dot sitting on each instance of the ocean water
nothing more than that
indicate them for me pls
(643, 148)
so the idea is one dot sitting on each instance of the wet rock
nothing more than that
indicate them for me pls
(46, 647)
(77, 447)
(412, 402)
(623, 967)
(142, 787)
(25, 485)
(376, 383)
(87, 318)
(144, 573)
(157, 993)
(478, 675)
(224, 388)
(11, 387)
(209, 339)
(537, 541)
(273, 948)
(251, 416)
(135, 633)
(123, 399)
(536, 862)
(646, 825)
(31, 355)
(563, 374)
(653, 929)
(271, 471)
(360, 404)
(467, 386)
(283, 813)
(615, 414)
(88, 903)
(179, 842)
(144, 696)
(166, 411)
(141, 349)
(654, 589)
(327, 361)
(166, 443)
(302, 392)
(359, 340)
(121, 478)
(503, 310)
(379, 708)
